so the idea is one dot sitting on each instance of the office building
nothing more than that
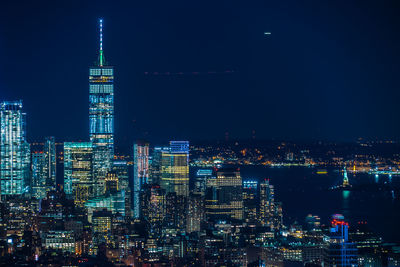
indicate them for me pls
(175, 212)
(101, 228)
(224, 199)
(175, 168)
(250, 200)
(155, 162)
(59, 240)
(341, 252)
(195, 213)
(38, 175)
(121, 169)
(200, 183)
(49, 152)
(78, 171)
(267, 203)
(140, 173)
(101, 117)
(153, 206)
(14, 150)
(115, 203)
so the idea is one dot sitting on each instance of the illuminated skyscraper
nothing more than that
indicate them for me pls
(153, 206)
(250, 200)
(175, 212)
(78, 171)
(341, 252)
(200, 183)
(175, 168)
(50, 162)
(224, 199)
(101, 116)
(38, 175)
(140, 173)
(121, 169)
(14, 150)
(101, 228)
(270, 211)
(155, 165)
(267, 203)
(195, 212)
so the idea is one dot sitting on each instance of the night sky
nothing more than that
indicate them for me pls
(329, 70)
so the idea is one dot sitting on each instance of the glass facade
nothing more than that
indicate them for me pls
(175, 168)
(120, 168)
(50, 162)
(155, 165)
(114, 203)
(267, 203)
(78, 171)
(14, 150)
(140, 173)
(38, 175)
(101, 118)
(224, 199)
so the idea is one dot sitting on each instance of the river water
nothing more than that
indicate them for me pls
(302, 191)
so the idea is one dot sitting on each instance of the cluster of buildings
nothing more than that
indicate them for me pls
(102, 210)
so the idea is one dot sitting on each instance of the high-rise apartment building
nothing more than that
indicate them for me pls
(101, 116)
(14, 150)
(175, 168)
(195, 213)
(267, 203)
(153, 206)
(270, 211)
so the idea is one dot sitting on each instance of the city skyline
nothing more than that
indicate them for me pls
(201, 138)
(240, 67)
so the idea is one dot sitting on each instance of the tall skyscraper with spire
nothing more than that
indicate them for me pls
(101, 116)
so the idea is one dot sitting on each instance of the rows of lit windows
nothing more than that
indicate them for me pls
(101, 88)
(100, 72)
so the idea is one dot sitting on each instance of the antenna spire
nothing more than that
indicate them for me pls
(101, 56)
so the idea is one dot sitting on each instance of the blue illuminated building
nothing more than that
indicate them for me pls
(38, 175)
(101, 116)
(341, 251)
(14, 150)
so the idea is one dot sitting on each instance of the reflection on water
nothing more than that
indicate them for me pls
(346, 195)
(303, 191)
(346, 202)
